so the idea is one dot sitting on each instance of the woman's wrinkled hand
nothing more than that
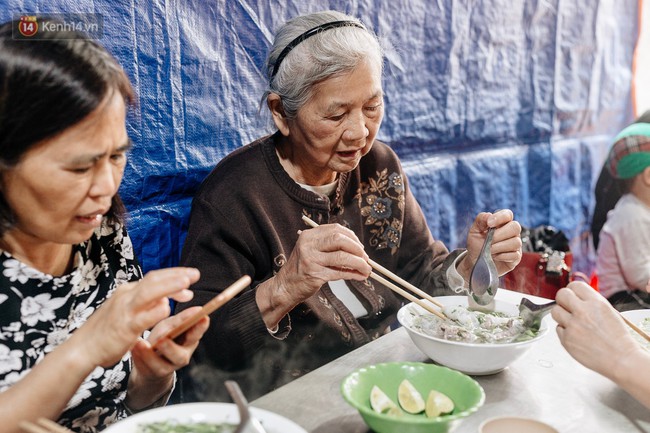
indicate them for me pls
(326, 253)
(591, 330)
(506, 242)
(133, 308)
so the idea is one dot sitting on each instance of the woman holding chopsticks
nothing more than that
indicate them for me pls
(311, 300)
(596, 336)
(73, 302)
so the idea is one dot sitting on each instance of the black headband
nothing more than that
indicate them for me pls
(308, 34)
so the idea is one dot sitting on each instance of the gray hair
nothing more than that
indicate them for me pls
(327, 54)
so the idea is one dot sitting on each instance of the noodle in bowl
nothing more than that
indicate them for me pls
(476, 354)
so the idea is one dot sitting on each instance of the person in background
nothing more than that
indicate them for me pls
(593, 333)
(607, 192)
(73, 302)
(311, 300)
(623, 256)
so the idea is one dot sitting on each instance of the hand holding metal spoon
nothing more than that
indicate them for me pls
(484, 279)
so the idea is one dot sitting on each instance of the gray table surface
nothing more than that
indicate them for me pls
(545, 384)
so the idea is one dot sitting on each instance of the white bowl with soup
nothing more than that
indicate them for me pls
(473, 342)
(218, 417)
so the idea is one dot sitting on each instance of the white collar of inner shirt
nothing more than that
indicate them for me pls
(325, 190)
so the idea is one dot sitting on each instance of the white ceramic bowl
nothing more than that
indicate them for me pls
(636, 316)
(204, 412)
(515, 424)
(469, 358)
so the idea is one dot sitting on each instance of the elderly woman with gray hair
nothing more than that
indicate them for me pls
(311, 300)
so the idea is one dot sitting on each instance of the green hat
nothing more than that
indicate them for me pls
(630, 154)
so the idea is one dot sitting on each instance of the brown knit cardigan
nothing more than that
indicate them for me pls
(245, 220)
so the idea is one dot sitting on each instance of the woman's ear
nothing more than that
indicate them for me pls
(277, 111)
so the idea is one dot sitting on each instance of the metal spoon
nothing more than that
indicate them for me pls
(247, 423)
(533, 313)
(484, 279)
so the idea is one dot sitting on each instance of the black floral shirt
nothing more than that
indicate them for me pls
(39, 311)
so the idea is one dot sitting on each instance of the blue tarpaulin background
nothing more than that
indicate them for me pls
(490, 104)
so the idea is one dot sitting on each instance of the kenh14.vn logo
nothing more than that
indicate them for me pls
(28, 25)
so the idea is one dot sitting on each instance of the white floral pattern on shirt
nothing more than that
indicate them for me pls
(38, 312)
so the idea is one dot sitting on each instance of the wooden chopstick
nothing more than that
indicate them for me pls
(404, 283)
(209, 307)
(638, 330)
(43, 425)
(407, 295)
(376, 266)
(33, 428)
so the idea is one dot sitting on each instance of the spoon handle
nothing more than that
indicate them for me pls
(238, 397)
(484, 279)
(487, 243)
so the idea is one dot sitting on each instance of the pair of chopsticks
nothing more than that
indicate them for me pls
(43, 425)
(207, 309)
(379, 268)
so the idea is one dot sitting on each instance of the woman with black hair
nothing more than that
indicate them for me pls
(73, 302)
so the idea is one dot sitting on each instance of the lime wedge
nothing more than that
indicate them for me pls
(409, 397)
(380, 402)
(438, 404)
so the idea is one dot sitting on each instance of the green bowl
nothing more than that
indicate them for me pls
(464, 391)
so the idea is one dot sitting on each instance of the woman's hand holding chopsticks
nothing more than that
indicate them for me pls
(132, 309)
(328, 253)
(154, 366)
(102, 340)
(596, 335)
(395, 279)
(173, 341)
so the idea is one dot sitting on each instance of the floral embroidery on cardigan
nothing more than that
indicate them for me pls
(323, 300)
(382, 204)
